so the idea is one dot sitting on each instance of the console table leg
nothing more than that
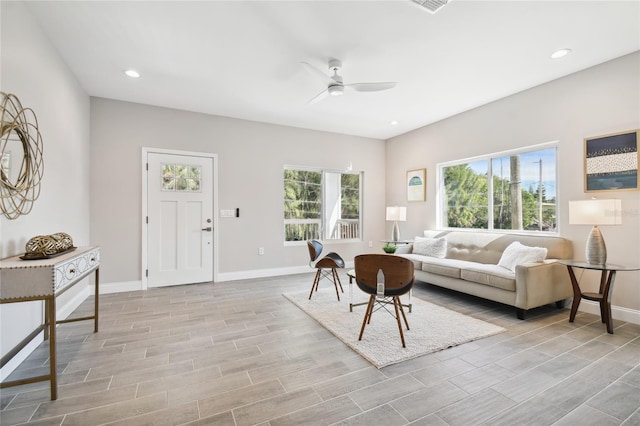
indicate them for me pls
(47, 320)
(96, 298)
(52, 347)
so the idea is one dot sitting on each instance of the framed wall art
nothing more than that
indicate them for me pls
(611, 162)
(416, 185)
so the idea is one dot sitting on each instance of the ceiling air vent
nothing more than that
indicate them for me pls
(431, 5)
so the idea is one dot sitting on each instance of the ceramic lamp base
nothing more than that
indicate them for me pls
(395, 233)
(596, 250)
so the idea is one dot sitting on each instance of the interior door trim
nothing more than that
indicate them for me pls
(143, 168)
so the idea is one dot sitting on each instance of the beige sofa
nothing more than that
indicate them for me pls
(470, 265)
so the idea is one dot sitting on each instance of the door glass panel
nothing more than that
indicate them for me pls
(181, 177)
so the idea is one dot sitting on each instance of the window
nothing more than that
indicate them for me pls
(321, 205)
(507, 191)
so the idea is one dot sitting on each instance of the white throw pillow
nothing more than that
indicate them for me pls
(433, 247)
(517, 254)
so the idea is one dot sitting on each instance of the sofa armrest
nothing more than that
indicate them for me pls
(539, 284)
(404, 248)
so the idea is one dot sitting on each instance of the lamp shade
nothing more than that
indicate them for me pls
(595, 212)
(397, 213)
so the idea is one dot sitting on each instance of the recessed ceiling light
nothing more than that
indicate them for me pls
(394, 122)
(132, 73)
(560, 53)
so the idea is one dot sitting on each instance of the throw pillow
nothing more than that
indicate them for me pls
(517, 254)
(433, 247)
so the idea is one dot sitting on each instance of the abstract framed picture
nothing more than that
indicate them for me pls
(611, 162)
(416, 185)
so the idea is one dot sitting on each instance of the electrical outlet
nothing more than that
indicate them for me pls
(370, 243)
(260, 251)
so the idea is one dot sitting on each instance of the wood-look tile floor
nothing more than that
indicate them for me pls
(238, 353)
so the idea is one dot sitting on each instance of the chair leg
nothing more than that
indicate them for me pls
(396, 301)
(337, 277)
(367, 314)
(315, 283)
(336, 281)
(402, 312)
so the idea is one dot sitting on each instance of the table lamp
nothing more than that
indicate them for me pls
(595, 212)
(397, 214)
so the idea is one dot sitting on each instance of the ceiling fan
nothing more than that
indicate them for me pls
(336, 86)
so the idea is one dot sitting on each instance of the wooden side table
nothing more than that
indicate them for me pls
(46, 279)
(603, 296)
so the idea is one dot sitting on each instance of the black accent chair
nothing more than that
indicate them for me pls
(326, 266)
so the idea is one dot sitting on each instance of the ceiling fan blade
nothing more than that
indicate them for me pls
(320, 96)
(371, 87)
(315, 71)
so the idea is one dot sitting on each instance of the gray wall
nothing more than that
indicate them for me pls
(601, 100)
(31, 69)
(251, 157)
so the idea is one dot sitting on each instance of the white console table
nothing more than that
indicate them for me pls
(45, 279)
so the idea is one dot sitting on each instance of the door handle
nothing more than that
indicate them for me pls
(208, 229)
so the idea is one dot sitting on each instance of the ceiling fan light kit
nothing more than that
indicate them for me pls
(336, 90)
(335, 83)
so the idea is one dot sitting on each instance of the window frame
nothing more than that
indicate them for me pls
(440, 190)
(323, 219)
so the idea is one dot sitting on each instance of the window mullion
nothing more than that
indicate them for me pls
(490, 212)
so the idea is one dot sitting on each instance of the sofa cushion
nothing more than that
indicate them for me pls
(434, 247)
(491, 275)
(415, 258)
(518, 254)
(446, 267)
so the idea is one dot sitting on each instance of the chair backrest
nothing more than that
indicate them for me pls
(398, 273)
(315, 248)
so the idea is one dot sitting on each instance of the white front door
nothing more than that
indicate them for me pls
(179, 219)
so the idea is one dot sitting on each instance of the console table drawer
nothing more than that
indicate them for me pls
(74, 269)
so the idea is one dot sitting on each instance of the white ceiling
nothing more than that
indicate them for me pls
(242, 59)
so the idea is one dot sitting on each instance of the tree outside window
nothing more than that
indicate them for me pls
(506, 192)
(321, 205)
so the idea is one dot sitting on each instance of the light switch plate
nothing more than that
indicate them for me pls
(227, 213)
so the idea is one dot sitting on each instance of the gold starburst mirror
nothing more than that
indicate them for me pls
(21, 164)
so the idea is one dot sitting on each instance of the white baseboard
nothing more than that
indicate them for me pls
(118, 287)
(617, 312)
(264, 273)
(261, 273)
(65, 310)
(62, 312)
(21, 356)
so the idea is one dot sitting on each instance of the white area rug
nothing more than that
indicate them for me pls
(433, 327)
